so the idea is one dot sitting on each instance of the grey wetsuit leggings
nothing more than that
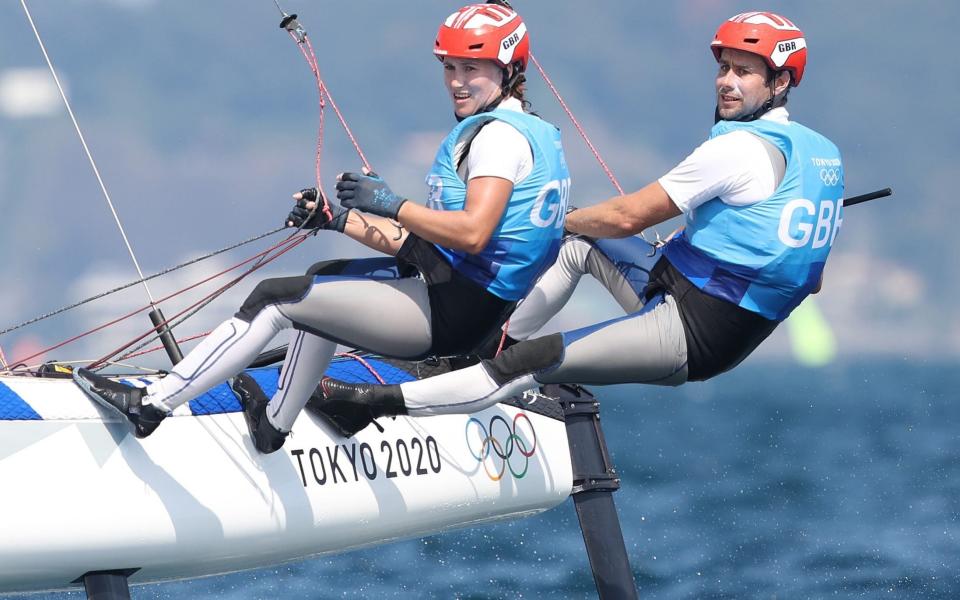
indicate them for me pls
(648, 345)
(368, 304)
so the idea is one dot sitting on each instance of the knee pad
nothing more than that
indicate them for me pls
(527, 357)
(279, 290)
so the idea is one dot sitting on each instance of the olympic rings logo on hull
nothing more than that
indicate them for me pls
(502, 445)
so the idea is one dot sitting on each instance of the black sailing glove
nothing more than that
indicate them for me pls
(368, 193)
(310, 214)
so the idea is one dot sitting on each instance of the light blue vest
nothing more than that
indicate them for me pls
(527, 238)
(768, 256)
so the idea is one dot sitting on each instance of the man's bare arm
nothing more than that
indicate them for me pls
(625, 215)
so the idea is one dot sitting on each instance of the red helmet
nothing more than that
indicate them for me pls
(487, 31)
(775, 38)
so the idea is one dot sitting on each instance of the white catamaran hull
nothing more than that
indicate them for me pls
(81, 493)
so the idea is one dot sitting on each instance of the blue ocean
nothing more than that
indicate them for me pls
(768, 482)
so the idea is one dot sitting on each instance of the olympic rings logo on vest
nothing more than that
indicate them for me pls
(502, 445)
(830, 177)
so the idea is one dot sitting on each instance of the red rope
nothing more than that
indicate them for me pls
(336, 109)
(321, 106)
(306, 48)
(503, 339)
(215, 293)
(576, 124)
(165, 298)
(363, 362)
(161, 347)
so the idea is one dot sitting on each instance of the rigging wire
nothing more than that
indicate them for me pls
(86, 149)
(299, 35)
(259, 256)
(135, 282)
(576, 124)
(197, 306)
(306, 48)
(137, 352)
(586, 139)
(292, 26)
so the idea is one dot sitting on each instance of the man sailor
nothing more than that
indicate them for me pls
(761, 200)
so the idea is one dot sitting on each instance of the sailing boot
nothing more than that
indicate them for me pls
(350, 407)
(266, 438)
(125, 400)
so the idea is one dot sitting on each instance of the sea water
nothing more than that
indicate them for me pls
(768, 482)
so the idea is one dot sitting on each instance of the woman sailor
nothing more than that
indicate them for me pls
(456, 267)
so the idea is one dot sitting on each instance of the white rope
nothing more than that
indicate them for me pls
(83, 141)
